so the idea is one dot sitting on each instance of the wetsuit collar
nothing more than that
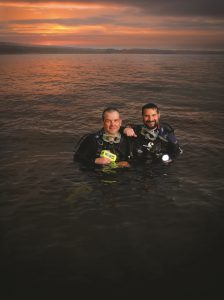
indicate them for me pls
(109, 138)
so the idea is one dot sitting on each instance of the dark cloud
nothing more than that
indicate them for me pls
(180, 7)
(213, 8)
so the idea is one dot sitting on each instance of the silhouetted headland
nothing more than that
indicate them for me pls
(13, 48)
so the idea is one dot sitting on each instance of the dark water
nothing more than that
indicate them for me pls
(148, 230)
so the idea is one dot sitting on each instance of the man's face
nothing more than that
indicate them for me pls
(150, 117)
(111, 122)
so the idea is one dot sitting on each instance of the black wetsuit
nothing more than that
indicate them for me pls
(162, 142)
(91, 146)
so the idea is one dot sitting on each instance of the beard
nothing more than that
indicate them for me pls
(152, 124)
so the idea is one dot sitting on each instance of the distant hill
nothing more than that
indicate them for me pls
(13, 48)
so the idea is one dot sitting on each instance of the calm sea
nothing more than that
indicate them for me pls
(146, 230)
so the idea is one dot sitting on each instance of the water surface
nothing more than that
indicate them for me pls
(137, 231)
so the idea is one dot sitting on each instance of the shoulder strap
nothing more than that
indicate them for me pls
(80, 141)
(95, 136)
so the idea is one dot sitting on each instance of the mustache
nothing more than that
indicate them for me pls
(151, 121)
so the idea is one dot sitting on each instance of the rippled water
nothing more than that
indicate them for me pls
(144, 230)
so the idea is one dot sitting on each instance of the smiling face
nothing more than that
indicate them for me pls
(111, 122)
(150, 117)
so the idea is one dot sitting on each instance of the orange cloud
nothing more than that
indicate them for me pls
(103, 25)
(26, 11)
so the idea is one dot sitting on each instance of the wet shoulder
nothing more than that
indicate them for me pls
(166, 128)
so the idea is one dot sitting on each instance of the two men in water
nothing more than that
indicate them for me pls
(150, 140)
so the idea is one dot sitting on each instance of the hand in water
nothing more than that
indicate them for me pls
(123, 164)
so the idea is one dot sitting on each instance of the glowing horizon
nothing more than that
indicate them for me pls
(109, 24)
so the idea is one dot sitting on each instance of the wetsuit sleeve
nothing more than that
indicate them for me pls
(173, 145)
(125, 148)
(86, 152)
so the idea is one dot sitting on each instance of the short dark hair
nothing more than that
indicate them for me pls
(149, 106)
(109, 109)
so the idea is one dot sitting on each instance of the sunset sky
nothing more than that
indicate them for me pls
(164, 24)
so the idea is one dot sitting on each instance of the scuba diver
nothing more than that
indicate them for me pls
(153, 139)
(108, 146)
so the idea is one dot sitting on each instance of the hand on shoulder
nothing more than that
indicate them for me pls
(129, 132)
